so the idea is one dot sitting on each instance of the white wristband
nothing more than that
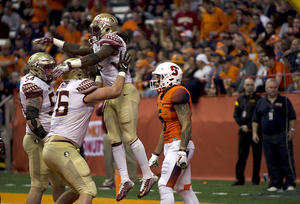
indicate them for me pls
(123, 74)
(292, 129)
(58, 43)
(76, 63)
(98, 79)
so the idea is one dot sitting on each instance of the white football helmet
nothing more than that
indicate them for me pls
(165, 75)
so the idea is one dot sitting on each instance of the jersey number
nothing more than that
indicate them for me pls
(63, 104)
(51, 95)
(162, 120)
(174, 70)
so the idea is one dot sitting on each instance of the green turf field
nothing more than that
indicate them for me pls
(211, 192)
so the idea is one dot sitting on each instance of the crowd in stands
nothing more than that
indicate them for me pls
(217, 43)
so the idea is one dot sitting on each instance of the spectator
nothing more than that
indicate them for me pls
(239, 43)
(187, 53)
(11, 18)
(258, 29)
(249, 68)
(133, 23)
(208, 50)
(187, 39)
(230, 12)
(178, 59)
(215, 85)
(76, 10)
(40, 11)
(296, 23)
(295, 86)
(56, 7)
(37, 27)
(4, 31)
(213, 22)
(28, 36)
(22, 61)
(13, 82)
(63, 28)
(186, 19)
(6, 61)
(273, 113)
(270, 7)
(158, 7)
(279, 69)
(19, 43)
(248, 23)
(73, 35)
(97, 8)
(83, 23)
(244, 108)
(204, 69)
(229, 72)
(258, 10)
(151, 58)
(191, 67)
(235, 29)
(26, 10)
(275, 43)
(261, 74)
(269, 31)
(291, 57)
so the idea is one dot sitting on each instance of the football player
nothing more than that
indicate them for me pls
(120, 114)
(76, 98)
(37, 99)
(174, 111)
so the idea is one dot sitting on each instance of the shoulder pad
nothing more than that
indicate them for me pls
(180, 95)
(32, 90)
(112, 40)
(87, 86)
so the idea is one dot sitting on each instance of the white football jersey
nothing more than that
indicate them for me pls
(71, 114)
(34, 85)
(109, 72)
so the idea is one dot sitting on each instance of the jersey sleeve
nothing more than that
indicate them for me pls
(87, 86)
(112, 40)
(180, 95)
(32, 90)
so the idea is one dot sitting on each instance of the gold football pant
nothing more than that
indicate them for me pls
(121, 116)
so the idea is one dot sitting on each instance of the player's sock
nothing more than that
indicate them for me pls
(120, 159)
(188, 196)
(141, 157)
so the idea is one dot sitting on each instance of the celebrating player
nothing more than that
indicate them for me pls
(37, 99)
(174, 110)
(72, 112)
(120, 114)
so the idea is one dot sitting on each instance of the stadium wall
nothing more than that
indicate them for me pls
(214, 132)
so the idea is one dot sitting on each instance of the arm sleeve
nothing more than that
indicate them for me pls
(256, 116)
(32, 90)
(180, 95)
(236, 113)
(291, 113)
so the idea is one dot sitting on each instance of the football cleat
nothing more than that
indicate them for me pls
(147, 185)
(126, 186)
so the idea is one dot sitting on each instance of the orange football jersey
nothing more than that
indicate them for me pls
(167, 113)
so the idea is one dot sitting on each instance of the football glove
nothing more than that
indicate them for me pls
(153, 161)
(181, 159)
(2, 147)
(43, 40)
(60, 69)
(124, 60)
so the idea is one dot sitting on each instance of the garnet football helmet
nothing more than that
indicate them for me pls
(74, 73)
(165, 75)
(41, 65)
(102, 24)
